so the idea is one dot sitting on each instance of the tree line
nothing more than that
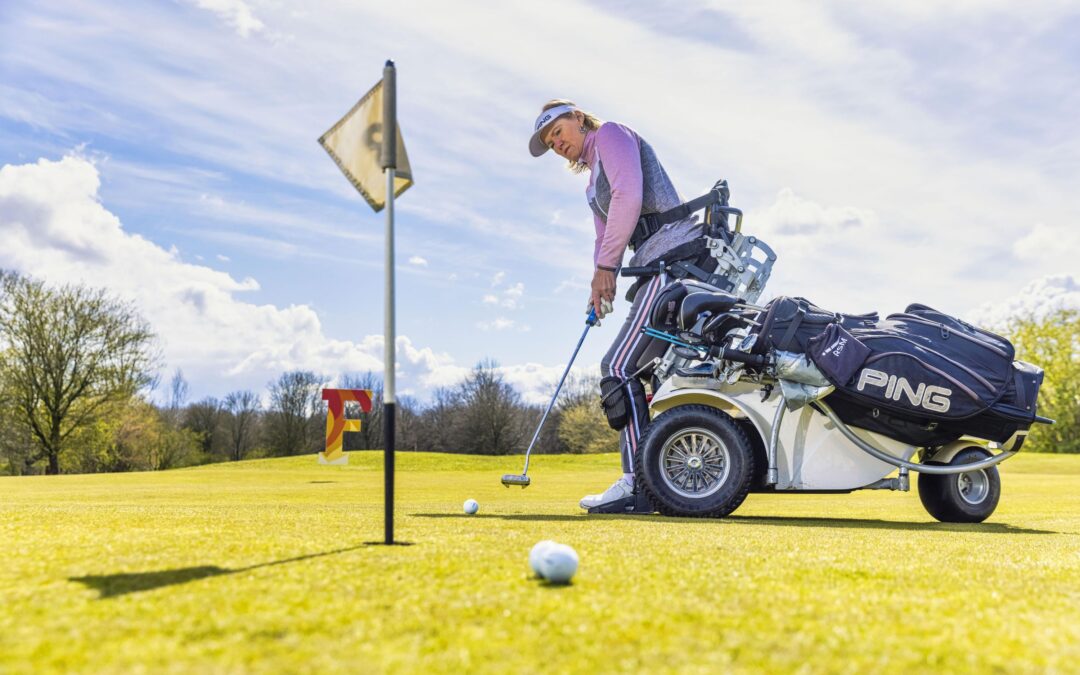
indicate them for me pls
(77, 372)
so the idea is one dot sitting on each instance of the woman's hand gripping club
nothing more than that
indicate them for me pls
(603, 292)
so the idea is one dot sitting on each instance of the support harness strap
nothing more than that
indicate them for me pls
(650, 223)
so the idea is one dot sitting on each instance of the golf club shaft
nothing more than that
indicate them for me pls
(588, 325)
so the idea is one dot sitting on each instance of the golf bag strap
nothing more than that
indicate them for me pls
(789, 334)
(650, 223)
(1021, 391)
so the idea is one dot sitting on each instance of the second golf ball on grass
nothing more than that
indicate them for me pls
(535, 554)
(558, 563)
(471, 506)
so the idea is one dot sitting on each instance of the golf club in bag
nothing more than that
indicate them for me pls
(522, 479)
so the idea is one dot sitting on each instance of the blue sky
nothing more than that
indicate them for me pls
(889, 153)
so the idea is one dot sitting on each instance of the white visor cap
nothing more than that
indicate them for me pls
(536, 146)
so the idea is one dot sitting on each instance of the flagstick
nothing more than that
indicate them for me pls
(388, 377)
(389, 162)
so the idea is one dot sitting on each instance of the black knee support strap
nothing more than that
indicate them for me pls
(615, 397)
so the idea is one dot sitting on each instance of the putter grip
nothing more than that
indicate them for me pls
(637, 271)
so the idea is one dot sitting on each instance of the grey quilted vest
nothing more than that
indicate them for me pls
(657, 196)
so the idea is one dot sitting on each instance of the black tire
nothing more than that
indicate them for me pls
(968, 497)
(723, 472)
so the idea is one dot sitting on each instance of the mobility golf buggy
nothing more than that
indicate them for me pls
(789, 398)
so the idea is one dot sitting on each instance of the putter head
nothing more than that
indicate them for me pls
(516, 479)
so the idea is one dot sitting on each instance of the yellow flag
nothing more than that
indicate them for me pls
(355, 142)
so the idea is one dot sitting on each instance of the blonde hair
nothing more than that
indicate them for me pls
(589, 121)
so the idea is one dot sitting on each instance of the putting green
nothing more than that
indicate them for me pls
(261, 566)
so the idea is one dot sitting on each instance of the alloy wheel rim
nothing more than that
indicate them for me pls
(694, 463)
(973, 486)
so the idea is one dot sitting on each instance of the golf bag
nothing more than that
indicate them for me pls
(926, 378)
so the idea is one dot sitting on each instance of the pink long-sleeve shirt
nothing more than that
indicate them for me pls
(617, 149)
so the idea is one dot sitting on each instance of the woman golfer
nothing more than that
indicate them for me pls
(626, 181)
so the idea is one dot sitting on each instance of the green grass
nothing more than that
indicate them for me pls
(261, 566)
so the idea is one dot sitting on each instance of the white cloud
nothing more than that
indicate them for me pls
(223, 258)
(791, 215)
(420, 364)
(279, 223)
(54, 227)
(512, 296)
(499, 323)
(536, 382)
(497, 278)
(508, 298)
(503, 324)
(1037, 299)
(822, 251)
(1054, 248)
(418, 261)
(573, 284)
(237, 13)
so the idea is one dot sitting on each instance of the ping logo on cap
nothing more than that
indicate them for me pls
(546, 117)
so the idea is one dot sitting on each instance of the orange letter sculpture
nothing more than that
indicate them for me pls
(337, 425)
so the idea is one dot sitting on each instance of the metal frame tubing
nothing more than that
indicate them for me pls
(911, 466)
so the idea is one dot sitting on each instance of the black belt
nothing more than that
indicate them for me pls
(650, 223)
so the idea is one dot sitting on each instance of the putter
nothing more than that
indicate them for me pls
(523, 479)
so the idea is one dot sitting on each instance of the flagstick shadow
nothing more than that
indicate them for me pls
(113, 585)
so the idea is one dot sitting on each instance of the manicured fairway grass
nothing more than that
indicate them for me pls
(261, 566)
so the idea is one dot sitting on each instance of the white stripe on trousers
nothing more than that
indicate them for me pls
(622, 357)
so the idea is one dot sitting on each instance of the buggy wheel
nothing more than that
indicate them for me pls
(694, 460)
(968, 497)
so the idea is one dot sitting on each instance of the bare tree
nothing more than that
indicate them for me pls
(408, 421)
(491, 412)
(439, 423)
(579, 389)
(242, 408)
(70, 355)
(291, 424)
(178, 393)
(204, 417)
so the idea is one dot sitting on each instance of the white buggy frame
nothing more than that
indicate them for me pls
(794, 445)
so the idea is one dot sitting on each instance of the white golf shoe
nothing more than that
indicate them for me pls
(621, 489)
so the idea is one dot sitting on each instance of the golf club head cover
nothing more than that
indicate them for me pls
(665, 312)
(620, 398)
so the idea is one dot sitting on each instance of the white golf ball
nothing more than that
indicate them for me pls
(535, 553)
(558, 563)
(471, 506)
